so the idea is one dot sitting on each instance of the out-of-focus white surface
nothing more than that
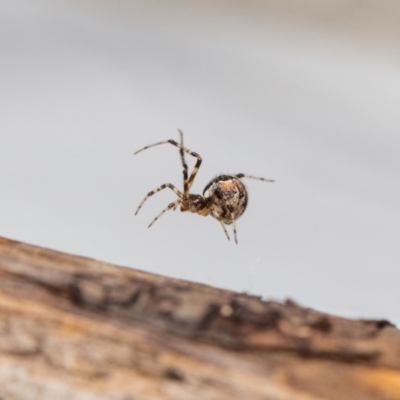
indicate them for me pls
(309, 100)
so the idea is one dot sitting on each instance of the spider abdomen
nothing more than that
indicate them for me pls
(227, 198)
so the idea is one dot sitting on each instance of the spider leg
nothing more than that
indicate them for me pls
(166, 185)
(223, 227)
(234, 231)
(252, 177)
(185, 167)
(171, 206)
(151, 145)
(187, 181)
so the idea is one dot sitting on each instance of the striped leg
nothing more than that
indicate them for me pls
(171, 206)
(252, 177)
(234, 231)
(187, 181)
(166, 185)
(185, 167)
(223, 227)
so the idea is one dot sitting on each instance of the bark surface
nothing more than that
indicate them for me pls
(81, 329)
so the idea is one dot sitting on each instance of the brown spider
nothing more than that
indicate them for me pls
(225, 197)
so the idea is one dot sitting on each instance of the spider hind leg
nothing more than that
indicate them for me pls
(239, 176)
(223, 227)
(234, 231)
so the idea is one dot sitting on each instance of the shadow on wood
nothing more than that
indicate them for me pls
(77, 328)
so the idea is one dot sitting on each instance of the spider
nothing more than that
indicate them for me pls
(225, 197)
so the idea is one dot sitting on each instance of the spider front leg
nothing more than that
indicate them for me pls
(185, 167)
(187, 181)
(171, 206)
(166, 185)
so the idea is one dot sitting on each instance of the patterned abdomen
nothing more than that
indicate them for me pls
(227, 198)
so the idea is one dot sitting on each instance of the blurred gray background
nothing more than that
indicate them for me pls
(304, 92)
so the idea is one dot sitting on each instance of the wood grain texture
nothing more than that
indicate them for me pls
(77, 328)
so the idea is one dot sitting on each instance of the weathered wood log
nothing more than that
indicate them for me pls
(77, 328)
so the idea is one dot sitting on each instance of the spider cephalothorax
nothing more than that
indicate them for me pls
(225, 197)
